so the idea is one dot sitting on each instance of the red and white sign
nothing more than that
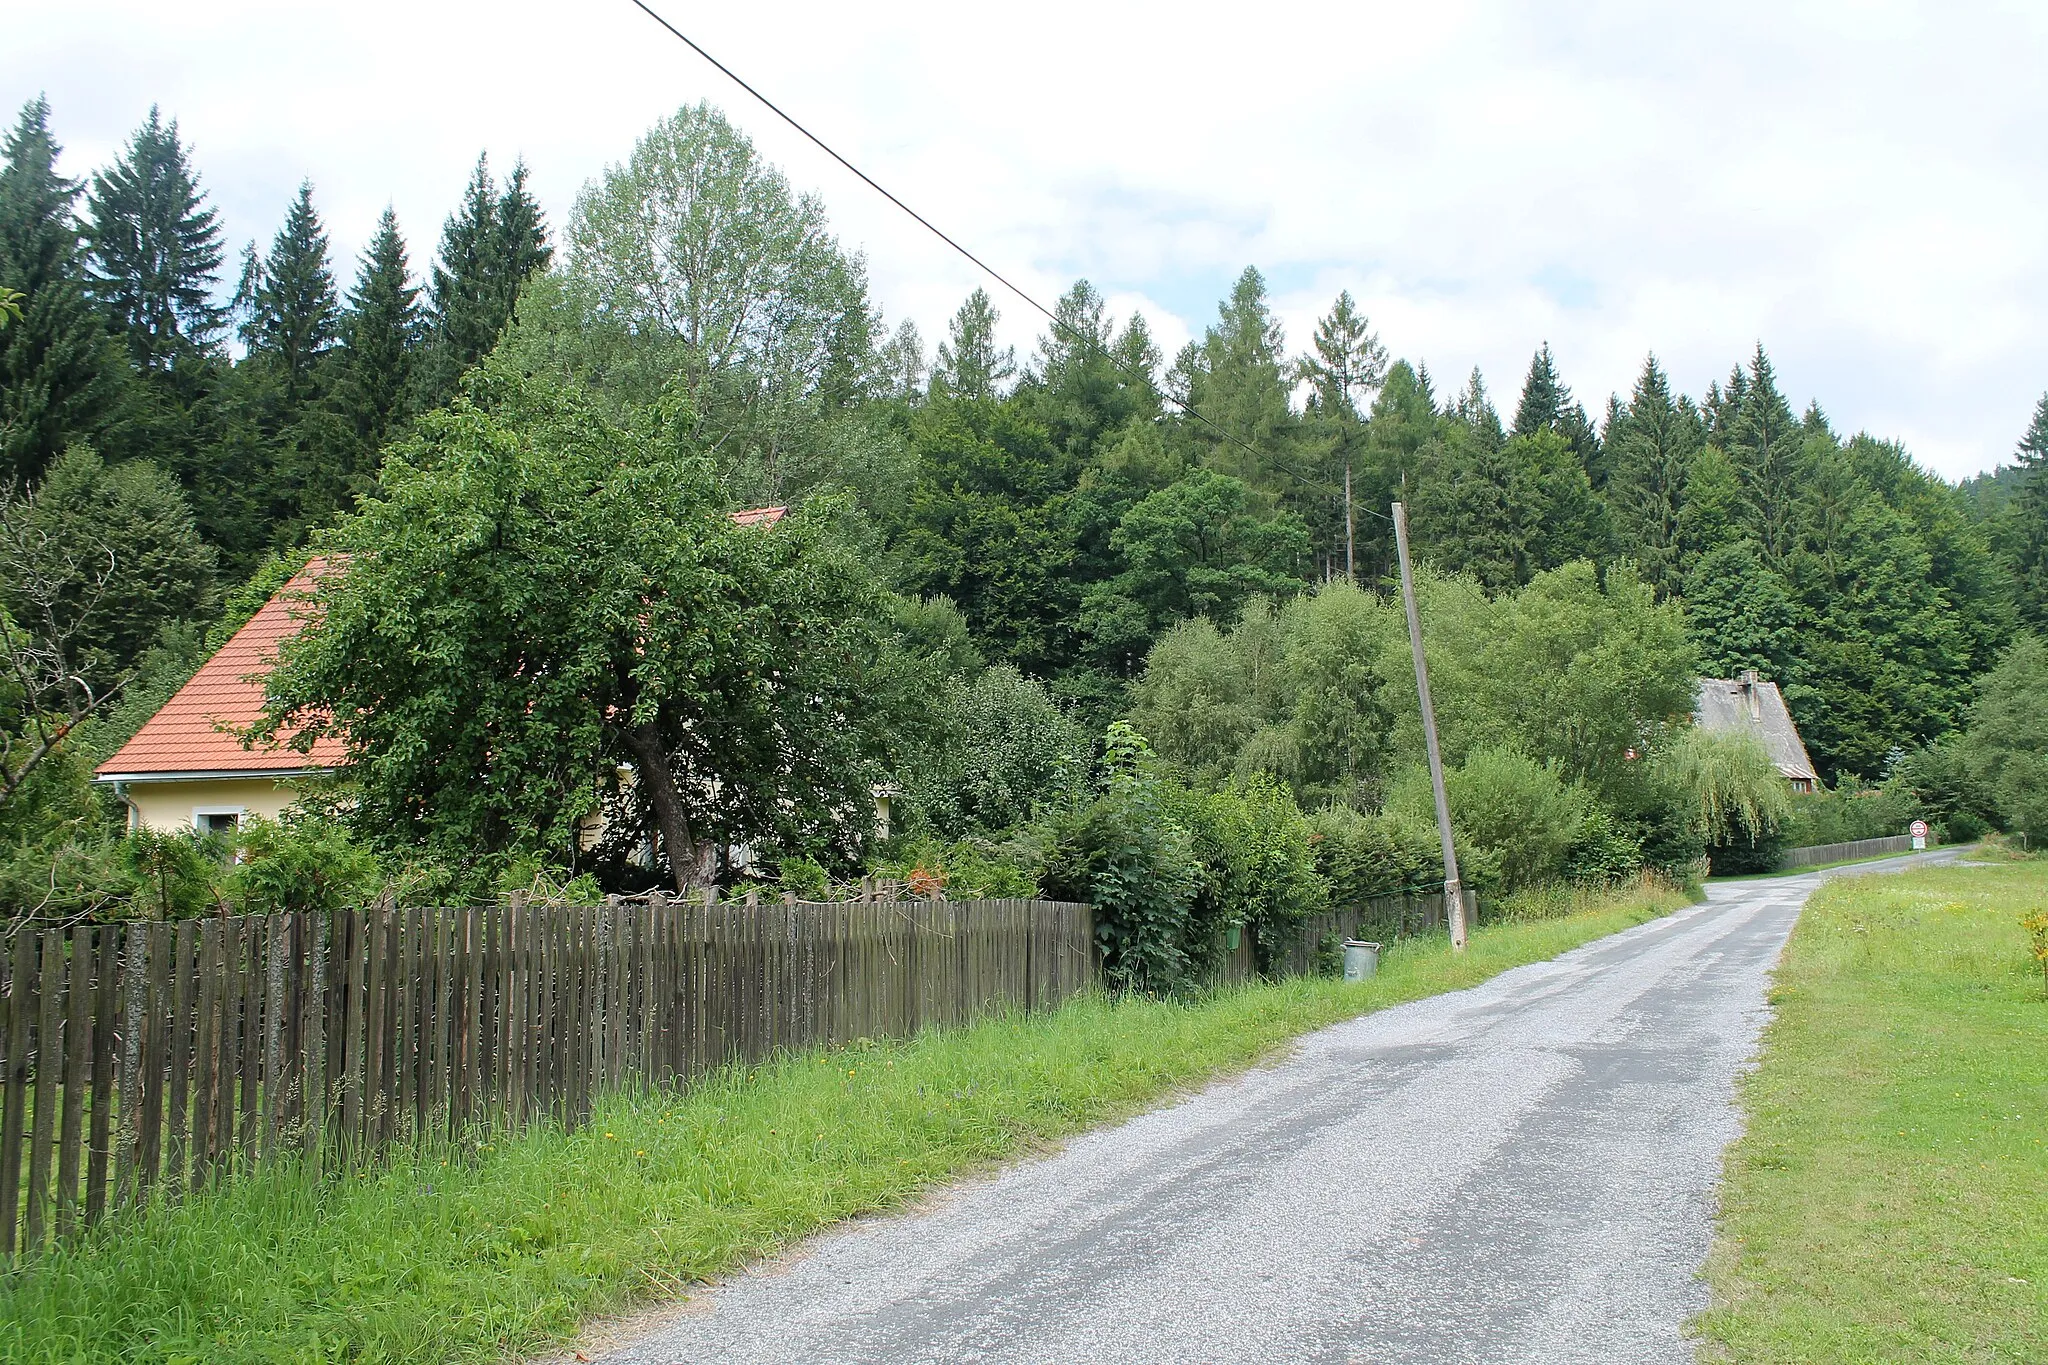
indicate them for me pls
(1918, 829)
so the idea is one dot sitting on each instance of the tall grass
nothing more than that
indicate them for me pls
(1889, 1201)
(504, 1245)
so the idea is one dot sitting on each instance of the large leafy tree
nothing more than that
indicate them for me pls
(1199, 547)
(695, 266)
(156, 249)
(536, 597)
(58, 380)
(2006, 747)
(985, 524)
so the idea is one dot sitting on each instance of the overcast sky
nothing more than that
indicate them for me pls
(1859, 186)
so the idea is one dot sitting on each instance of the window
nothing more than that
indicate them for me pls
(216, 821)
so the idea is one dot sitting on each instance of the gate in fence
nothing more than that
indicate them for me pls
(141, 1060)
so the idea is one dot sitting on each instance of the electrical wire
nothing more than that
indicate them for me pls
(1058, 323)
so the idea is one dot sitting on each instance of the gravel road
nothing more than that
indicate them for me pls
(1524, 1171)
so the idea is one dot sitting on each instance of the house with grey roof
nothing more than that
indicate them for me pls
(1747, 705)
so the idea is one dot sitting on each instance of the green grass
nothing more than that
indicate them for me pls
(1889, 1201)
(503, 1248)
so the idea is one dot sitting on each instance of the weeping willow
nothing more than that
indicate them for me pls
(1740, 794)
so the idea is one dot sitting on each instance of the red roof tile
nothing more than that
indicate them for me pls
(189, 735)
(760, 516)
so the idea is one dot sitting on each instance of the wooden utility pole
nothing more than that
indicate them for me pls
(1454, 890)
(1350, 530)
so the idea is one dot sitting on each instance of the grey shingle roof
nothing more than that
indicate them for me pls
(1747, 705)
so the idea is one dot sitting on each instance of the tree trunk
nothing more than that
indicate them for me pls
(676, 841)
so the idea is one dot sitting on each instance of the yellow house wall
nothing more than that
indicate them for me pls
(169, 806)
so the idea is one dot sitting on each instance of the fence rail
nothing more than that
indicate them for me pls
(1816, 854)
(148, 1059)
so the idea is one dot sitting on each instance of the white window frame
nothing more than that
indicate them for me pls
(199, 814)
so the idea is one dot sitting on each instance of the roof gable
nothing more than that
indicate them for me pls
(1748, 705)
(190, 734)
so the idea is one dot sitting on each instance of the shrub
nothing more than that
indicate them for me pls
(1125, 855)
(301, 863)
(1516, 820)
(2036, 926)
(963, 869)
(1259, 870)
(998, 750)
(1362, 856)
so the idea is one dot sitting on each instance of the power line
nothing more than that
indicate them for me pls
(940, 233)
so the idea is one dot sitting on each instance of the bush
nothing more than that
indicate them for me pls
(1362, 856)
(964, 869)
(1124, 854)
(999, 750)
(1848, 813)
(302, 863)
(1516, 821)
(1935, 784)
(1259, 870)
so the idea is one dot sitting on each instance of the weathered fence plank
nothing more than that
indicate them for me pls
(147, 1060)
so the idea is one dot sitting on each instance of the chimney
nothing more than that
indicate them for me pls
(1748, 680)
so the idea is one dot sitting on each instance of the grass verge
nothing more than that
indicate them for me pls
(506, 1246)
(1889, 1201)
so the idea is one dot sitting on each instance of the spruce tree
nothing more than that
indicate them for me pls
(155, 249)
(380, 338)
(1547, 405)
(1240, 384)
(58, 379)
(969, 364)
(490, 246)
(1764, 442)
(296, 315)
(522, 242)
(2029, 521)
(1347, 363)
(1544, 396)
(1650, 446)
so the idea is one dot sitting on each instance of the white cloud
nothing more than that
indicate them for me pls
(1859, 186)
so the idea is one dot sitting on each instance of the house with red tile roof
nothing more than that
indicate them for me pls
(187, 770)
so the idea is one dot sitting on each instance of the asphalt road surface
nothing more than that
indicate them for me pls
(1524, 1171)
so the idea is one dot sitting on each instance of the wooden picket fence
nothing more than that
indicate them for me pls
(142, 1060)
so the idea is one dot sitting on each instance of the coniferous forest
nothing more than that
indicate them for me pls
(1046, 544)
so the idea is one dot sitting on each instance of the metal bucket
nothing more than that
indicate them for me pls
(1361, 960)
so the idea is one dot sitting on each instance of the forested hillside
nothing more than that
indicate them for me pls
(1169, 539)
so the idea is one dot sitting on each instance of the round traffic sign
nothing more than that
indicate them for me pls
(1918, 829)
